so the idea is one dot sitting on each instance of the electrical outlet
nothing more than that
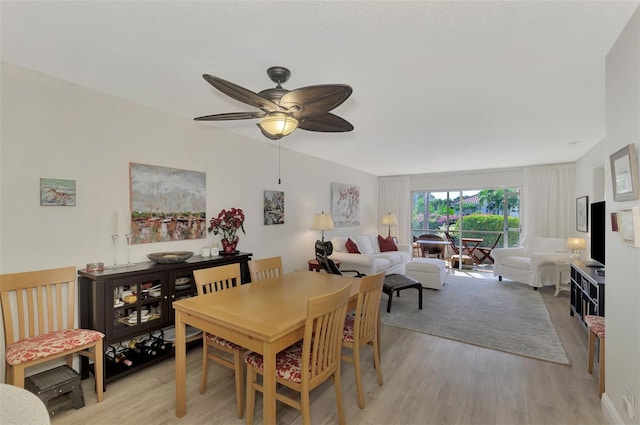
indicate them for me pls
(629, 401)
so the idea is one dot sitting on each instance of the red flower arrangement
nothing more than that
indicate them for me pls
(227, 224)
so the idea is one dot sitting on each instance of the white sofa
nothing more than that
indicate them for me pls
(370, 260)
(538, 262)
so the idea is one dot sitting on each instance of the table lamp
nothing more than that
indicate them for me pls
(322, 222)
(576, 245)
(389, 220)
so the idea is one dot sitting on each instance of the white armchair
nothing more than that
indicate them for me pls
(537, 262)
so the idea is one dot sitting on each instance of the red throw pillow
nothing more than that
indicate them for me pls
(387, 244)
(352, 247)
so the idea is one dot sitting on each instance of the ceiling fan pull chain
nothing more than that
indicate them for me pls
(278, 161)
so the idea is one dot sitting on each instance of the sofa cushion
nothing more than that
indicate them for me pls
(352, 247)
(364, 245)
(339, 243)
(521, 263)
(373, 240)
(393, 257)
(534, 244)
(387, 244)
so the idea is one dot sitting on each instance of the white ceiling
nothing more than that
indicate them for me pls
(437, 86)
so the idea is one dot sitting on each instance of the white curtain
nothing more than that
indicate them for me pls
(548, 201)
(395, 198)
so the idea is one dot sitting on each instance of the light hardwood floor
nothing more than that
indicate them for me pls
(427, 380)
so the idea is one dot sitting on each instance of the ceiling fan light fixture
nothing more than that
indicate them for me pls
(277, 125)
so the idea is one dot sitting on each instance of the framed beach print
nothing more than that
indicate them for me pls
(57, 192)
(582, 214)
(624, 174)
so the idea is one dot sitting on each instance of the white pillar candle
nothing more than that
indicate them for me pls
(115, 223)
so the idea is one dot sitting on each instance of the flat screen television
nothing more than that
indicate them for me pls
(598, 225)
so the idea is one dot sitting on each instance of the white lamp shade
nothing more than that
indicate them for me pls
(389, 220)
(322, 222)
(277, 124)
(576, 243)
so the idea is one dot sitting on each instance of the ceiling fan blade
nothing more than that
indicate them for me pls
(231, 116)
(241, 94)
(315, 100)
(327, 123)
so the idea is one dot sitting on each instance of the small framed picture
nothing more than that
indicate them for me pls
(624, 174)
(582, 214)
(57, 192)
(629, 224)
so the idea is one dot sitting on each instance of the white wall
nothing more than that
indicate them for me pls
(56, 129)
(622, 301)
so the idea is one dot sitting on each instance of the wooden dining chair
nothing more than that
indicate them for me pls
(308, 363)
(40, 305)
(215, 348)
(361, 328)
(265, 268)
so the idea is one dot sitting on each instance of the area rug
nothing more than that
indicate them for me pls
(503, 316)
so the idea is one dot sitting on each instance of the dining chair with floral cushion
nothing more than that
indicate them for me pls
(308, 363)
(215, 348)
(361, 328)
(40, 306)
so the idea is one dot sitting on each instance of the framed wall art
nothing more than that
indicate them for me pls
(167, 204)
(582, 214)
(57, 192)
(624, 174)
(629, 225)
(345, 205)
(273, 203)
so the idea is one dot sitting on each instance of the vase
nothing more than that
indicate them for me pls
(229, 247)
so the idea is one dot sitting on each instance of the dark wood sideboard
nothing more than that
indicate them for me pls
(587, 290)
(137, 328)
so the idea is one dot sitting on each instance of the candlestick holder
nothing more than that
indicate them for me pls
(115, 238)
(129, 236)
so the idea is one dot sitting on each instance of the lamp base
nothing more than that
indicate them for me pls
(576, 255)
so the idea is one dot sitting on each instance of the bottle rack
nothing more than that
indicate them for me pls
(135, 303)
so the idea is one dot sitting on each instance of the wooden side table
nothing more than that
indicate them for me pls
(314, 265)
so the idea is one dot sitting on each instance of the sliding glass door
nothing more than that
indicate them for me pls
(486, 214)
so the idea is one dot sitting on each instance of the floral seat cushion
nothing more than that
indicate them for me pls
(49, 344)
(288, 362)
(223, 342)
(595, 325)
(349, 325)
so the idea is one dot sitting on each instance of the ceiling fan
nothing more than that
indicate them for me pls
(282, 111)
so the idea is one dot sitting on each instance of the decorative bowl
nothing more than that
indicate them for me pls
(170, 257)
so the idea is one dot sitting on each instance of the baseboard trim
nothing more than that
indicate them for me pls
(611, 414)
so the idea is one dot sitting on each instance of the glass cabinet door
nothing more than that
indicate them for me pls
(138, 304)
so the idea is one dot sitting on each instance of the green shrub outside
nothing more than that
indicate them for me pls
(486, 223)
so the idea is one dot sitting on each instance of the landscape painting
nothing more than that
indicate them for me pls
(273, 207)
(57, 192)
(167, 204)
(345, 205)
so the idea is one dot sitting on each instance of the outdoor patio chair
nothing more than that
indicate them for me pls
(484, 253)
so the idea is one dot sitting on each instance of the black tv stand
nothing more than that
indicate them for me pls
(587, 290)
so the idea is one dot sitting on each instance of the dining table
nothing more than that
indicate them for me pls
(265, 317)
